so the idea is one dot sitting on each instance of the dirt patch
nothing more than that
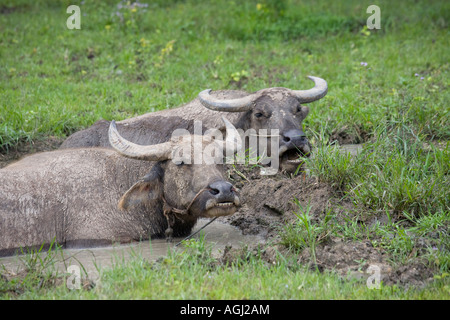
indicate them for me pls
(10, 8)
(352, 260)
(7, 10)
(268, 204)
(346, 135)
(268, 201)
(27, 148)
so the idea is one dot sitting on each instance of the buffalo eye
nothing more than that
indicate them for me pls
(259, 115)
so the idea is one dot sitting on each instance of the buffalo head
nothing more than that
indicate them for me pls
(275, 108)
(188, 190)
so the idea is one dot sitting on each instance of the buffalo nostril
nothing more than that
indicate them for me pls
(221, 189)
(214, 191)
(294, 137)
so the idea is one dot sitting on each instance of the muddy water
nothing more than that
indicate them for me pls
(217, 234)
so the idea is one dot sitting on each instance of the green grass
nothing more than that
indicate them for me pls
(195, 274)
(305, 233)
(398, 179)
(55, 81)
(123, 63)
(394, 173)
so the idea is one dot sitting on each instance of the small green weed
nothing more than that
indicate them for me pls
(305, 232)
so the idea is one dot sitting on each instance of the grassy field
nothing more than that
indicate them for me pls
(196, 274)
(388, 89)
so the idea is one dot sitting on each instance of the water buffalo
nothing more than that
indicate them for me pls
(271, 108)
(95, 196)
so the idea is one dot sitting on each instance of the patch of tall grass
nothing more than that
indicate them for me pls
(398, 176)
(392, 173)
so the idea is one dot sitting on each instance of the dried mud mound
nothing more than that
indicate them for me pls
(352, 259)
(268, 201)
(268, 205)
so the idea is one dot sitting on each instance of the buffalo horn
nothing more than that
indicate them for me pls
(229, 105)
(157, 152)
(319, 91)
(246, 103)
(233, 142)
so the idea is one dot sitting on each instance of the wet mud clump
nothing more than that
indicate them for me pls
(270, 203)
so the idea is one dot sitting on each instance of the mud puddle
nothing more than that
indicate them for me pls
(90, 260)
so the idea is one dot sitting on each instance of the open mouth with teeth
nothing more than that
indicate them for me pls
(292, 158)
(216, 209)
(224, 204)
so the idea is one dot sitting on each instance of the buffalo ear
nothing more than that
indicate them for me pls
(142, 192)
(305, 111)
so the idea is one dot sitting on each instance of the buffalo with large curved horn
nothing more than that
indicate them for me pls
(273, 108)
(267, 109)
(246, 103)
(166, 150)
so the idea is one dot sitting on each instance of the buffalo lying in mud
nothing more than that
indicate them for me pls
(71, 196)
(270, 108)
